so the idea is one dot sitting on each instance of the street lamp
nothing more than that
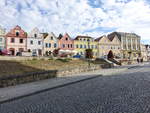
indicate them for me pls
(88, 40)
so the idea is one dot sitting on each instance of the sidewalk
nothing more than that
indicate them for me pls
(14, 92)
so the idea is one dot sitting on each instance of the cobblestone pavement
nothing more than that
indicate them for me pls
(128, 92)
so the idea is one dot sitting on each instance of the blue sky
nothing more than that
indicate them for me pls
(78, 17)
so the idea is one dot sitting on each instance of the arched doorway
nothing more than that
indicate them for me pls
(110, 55)
(12, 51)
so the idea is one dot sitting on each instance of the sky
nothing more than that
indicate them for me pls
(78, 17)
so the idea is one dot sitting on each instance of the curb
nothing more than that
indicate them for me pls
(48, 89)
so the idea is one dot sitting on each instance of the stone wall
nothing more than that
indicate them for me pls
(128, 62)
(30, 77)
(17, 58)
(35, 76)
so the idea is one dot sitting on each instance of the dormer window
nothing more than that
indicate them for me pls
(35, 35)
(17, 34)
(51, 38)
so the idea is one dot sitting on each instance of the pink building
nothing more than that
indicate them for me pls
(65, 42)
(66, 45)
(16, 40)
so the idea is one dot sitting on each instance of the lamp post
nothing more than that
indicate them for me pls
(88, 40)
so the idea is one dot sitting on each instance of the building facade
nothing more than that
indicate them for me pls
(50, 43)
(2, 38)
(35, 42)
(148, 52)
(81, 43)
(106, 45)
(16, 40)
(130, 44)
(144, 53)
(66, 44)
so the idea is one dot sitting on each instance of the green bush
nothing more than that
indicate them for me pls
(64, 60)
(34, 59)
(50, 59)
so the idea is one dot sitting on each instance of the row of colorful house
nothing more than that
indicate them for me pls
(122, 45)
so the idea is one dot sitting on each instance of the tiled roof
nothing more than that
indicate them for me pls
(82, 37)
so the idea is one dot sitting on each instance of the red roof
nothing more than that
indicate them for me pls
(12, 33)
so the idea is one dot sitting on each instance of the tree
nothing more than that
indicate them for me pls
(56, 52)
(110, 55)
(89, 53)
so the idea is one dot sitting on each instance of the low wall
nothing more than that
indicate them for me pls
(18, 58)
(128, 62)
(30, 77)
(35, 76)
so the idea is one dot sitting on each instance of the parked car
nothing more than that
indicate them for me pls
(26, 53)
(34, 54)
(4, 52)
(77, 56)
(104, 57)
(18, 54)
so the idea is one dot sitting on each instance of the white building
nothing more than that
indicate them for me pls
(35, 42)
(2, 38)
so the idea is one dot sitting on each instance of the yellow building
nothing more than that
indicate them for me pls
(81, 43)
(50, 43)
(130, 44)
(106, 45)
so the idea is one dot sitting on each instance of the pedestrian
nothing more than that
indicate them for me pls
(141, 60)
(138, 60)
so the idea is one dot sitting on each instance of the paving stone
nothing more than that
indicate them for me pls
(128, 92)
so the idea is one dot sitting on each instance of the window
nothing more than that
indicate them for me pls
(66, 38)
(35, 35)
(84, 46)
(31, 42)
(55, 45)
(29, 50)
(77, 46)
(80, 46)
(12, 40)
(71, 45)
(49, 45)
(17, 34)
(68, 46)
(21, 40)
(1, 39)
(39, 42)
(84, 39)
(21, 49)
(63, 45)
(92, 46)
(51, 38)
(46, 45)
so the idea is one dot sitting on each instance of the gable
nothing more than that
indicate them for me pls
(104, 39)
(116, 40)
(51, 37)
(21, 33)
(35, 33)
(66, 37)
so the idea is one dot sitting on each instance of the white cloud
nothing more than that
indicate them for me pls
(77, 16)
